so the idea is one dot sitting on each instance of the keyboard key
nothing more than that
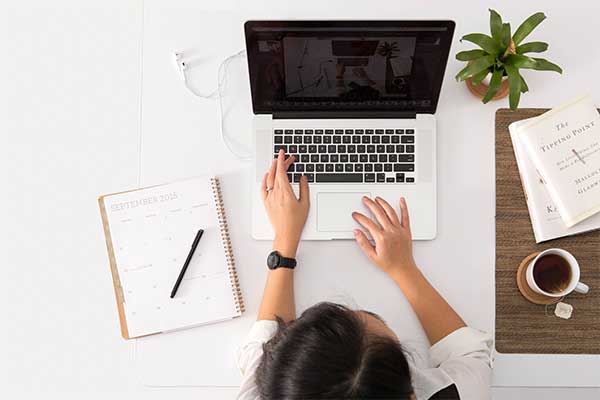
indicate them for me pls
(399, 148)
(310, 178)
(324, 158)
(293, 148)
(302, 148)
(280, 147)
(359, 131)
(279, 131)
(373, 158)
(320, 168)
(381, 177)
(369, 131)
(318, 140)
(366, 140)
(404, 167)
(364, 158)
(353, 158)
(378, 167)
(368, 167)
(308, 139)
(297, 139)
(304, 158)
(327, 178)
(389, 131)
(389, 148)
(383, 158)
(385, 139)
(379, 131)
(351, 148)
(328, 168)
(388, 167)
(369, 178)
(410, 148)
(296, 157)
(376, 140)
(341, 148)
(349, 131)
(356, 139)
(389, 180)
(322, 148)
(331, 148)
(400, 177)
(339, 131)
(410, 131)
(308, 131)
(289, 131)
(297, 177)
(347, 139)
(314, 158)
(318, 131)
(395, 139)
(334, 158)
(326, 139)
(288, 140)
(360, 148)
(300, 167)
(344, 158)
(371, 148)
(291, 168)
(339, 167)
(312, 148)
(381, 148)
(278, 139)
(337, 139)
(329, 131)
(348, 168)
(399, 131)
(406, 158)
(410, 180)
(310, 167)
(298, 131)
(408, 139)
(358, 168)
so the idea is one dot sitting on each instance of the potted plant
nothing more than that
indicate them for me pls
(500, 58)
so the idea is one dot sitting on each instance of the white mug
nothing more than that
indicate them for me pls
(574, 284)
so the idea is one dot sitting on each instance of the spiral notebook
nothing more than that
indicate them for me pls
(149, 233)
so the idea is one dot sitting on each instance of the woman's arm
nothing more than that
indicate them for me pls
(288, 216)
(392, 252)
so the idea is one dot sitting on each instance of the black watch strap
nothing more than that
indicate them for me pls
(276, 260)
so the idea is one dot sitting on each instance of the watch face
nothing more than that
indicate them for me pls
(273, 260)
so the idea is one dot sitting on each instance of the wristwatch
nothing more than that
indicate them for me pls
(276, 260)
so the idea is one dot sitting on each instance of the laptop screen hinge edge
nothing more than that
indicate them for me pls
(344, 115)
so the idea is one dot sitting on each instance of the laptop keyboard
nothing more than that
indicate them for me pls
(348, 155)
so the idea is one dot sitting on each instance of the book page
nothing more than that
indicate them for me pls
(152, 232)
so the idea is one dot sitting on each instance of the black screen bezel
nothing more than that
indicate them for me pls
(449, 25)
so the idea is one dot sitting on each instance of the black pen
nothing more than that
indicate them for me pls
(187, 262)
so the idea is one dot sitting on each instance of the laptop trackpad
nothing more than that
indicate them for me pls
(334, 211)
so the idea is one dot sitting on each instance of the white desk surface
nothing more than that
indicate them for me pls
(71, 121)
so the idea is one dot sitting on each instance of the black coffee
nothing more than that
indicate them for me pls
(552, 273)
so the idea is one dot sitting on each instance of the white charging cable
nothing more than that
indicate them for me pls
(184, 66)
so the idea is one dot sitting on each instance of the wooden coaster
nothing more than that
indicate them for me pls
(524, 288)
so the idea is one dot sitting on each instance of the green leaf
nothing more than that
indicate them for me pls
(505, 35)
(494, 85)
(532, 47)
(484, 41)
(545, 65)
(539, 64)
(527, 26)
(524, 87)
(469, 55)
(475, 67)
(496, 25)
(514, 85)
(478, 77)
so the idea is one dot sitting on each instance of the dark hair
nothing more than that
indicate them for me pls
(327, 354)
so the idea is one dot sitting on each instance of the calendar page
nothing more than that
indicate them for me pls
(152, 231)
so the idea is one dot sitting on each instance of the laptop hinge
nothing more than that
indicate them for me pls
(344, 115)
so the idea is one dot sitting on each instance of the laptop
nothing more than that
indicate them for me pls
(354, 102)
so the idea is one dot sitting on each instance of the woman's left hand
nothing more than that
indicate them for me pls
(287, 213)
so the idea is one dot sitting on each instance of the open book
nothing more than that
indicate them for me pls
(149, 233)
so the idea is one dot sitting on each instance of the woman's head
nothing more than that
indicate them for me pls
(332, 352)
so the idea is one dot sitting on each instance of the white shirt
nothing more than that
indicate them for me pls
(462, 358)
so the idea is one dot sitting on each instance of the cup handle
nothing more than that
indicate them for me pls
(582, 288)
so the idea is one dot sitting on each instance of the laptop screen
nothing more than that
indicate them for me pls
(347, 65)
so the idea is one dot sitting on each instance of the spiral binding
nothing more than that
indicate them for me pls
(226, 241)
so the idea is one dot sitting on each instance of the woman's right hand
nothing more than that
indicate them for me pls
(392, 251)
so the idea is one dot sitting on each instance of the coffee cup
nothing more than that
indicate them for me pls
(555, 273)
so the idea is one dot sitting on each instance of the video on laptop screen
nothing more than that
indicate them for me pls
(326, 66)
